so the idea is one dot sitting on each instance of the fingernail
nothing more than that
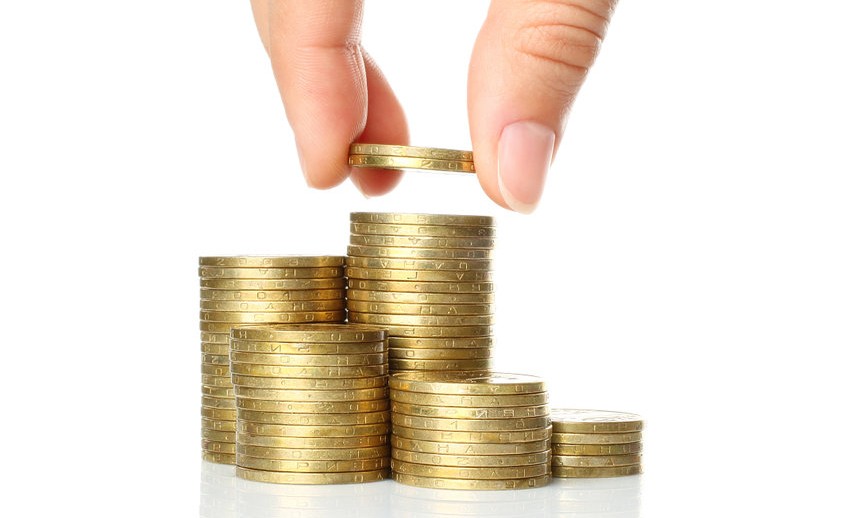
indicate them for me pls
(354, 179)
(302, 164)
(525, 151)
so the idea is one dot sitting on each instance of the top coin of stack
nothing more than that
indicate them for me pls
(428, 279)
(596, 443)
(384, 156)
(247, 290)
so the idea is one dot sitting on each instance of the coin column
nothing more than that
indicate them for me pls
(312, 403)
(428, 278)
(460, 432)
(236, 290)
(596, 443)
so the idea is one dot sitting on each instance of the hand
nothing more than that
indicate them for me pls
(529, 61)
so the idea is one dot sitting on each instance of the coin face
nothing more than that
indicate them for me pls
(594, 421)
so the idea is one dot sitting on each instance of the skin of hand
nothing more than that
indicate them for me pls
(528, 63)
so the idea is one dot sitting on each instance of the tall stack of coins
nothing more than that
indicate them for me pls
(454, 431)
(239, 290)
(596, 443)
(428, 279)
(312, 403)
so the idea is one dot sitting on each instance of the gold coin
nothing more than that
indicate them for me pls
(363, 371)
(596, 438)
(397, 252)
(216, 272)
(218, 402)
(422, 287)
(292, 261)
(316, 318)
(217, 435)
(309, 360)
(617, 471)
(598, 449)
(519, 412)
(429, 242)
(310, 383)
(496, 383)
(311, 395)
(272, 307)
(358, 148)
(396, 364)
(418, 275)
(221, 380)
(441, 343)
(214, 348)
(324, 333)
(270, 295)
(215, 338)
(382, 229)
(298, 454)
(227, 414)
(278, 477)
(219, 458)
(220, 371)
(453, 483)
(317, 407)
(471, 425)
(329, 283)
(217, 391)
(472, 473)
(440, 354)
(392, 308)
(215, 359)
(314, 419)
(278, 430)
(219, 447)
(400, 162)
(338, 348)
(313, 466)
(435, 459)
(450, 299)
(421, 320)
(455, 448)
(494, 400)
(568, 420)
(480, 437)
(312, 443)
(256, 317)
(220, 425)
(597, 461)
(421, 264)
(440, 331)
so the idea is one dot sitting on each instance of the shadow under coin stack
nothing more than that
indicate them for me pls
(240, 290)
(428, 279)
(452, 431)
(596, 443)
(313, 403)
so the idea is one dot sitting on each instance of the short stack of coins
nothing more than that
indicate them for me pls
(312, 403)
(596, 443)
(240, 290)
(455, 431)
(428, 279)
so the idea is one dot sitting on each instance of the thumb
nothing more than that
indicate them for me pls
(529, 61)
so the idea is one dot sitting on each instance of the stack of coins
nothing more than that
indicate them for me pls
(312, 403)
(596, 443)
(237, 290)
(428, 279)
(453, 431)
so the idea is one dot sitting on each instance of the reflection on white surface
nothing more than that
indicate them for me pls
(224, 495)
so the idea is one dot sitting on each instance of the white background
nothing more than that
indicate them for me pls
(688, 260)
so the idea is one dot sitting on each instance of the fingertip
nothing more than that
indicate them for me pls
(375, 182)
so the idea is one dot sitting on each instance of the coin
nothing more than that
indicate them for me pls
(439, 354)
(458, 448)
(595, 461)
(392, 308)
(396, 364)
(617, 471)
(419, 253)
(277, 430)
(313, 466)
(227, 414)
(219, 458)
(215, 359)
(215, 348)
(270, 295)
(475, 400)
(328, 454)
(314, 419)
(451, 299)
(218, 424)
(418, 275)
(217, 435)
(277, 477)
(441, 343)
(382, 229)
(216, 272)
(449, 483)
(272, 307)
(470, 412)
(596, 438)
(306, 443)
(215, 338)
(427, 242)
(419, 152)
(215, 370)
(217, 391)
(567, 420)
(400, 162)
(307, 348)
(309, 383)
(598, 449)
(421, 320)
(474, 473)
(435, 459)
(273, 284)
(309, 360)
(422, 287)
(256, 317)
(440, 331)
(496, 383)
(217, 402)
(292, 261)
(308, 372)
(324, 333)
(311, 395)
(305, 407)
(221, 380)
(421, 264)
(317, 318)
(218, 447)
(480, 437)
(471, 425)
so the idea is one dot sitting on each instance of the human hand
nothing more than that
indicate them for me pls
(529, 61)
